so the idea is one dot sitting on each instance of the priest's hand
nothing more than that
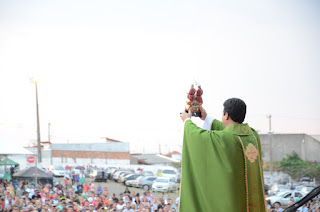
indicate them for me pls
(203, 113)
(185, 115)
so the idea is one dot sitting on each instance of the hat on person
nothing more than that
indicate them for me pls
(90, 199)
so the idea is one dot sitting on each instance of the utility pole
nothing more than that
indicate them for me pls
(49, 137)
(38, 125)
(270, 150)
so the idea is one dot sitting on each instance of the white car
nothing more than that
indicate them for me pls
(170, 173)
(305, 189)
(163, 184)
(277, 188)
(79, 169)
(58, 171)
(283, 198)
(118, 173)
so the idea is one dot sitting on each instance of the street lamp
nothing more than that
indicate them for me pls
(38, 120)
(270, 149)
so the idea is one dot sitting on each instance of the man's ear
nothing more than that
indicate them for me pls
(227, 116)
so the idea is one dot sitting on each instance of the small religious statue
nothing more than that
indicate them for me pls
(194, 100)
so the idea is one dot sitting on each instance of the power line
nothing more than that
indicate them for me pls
(285, 116)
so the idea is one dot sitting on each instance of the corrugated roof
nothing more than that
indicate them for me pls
(93, 147)
(154, 159)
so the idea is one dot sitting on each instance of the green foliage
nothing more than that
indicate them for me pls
(297, 168)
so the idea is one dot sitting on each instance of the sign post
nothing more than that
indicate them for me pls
(31, 160)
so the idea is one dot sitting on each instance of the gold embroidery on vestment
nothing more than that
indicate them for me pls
(244, 129)
(252, 153)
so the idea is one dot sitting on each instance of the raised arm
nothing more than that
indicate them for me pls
(209, 122)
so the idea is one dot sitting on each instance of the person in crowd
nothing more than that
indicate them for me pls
(99, 190)
(82, 177)
(121, 204)
(291, 201)
(128, 208)
(277, 207)
(85, 188)
(298, 198)
(46, 198)
(36, 195)
(92, 187)
(304, 208)
(126, 191)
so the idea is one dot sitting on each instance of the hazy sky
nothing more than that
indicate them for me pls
(121, 69)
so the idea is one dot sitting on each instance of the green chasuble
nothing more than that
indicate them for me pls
(221, 169)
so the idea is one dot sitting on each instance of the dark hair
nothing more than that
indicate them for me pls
(236, 108)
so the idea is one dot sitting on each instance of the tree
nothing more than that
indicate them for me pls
(297, 168)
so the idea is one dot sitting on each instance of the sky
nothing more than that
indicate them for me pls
(121, 69)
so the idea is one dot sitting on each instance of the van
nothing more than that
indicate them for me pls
(170, 173)
(57, 171)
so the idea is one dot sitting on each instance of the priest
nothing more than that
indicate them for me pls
(221, 164)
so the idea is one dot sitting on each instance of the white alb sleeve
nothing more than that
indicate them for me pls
(186, 120)
(207, 123)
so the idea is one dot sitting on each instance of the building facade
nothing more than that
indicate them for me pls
(84, 154)
(306, 146)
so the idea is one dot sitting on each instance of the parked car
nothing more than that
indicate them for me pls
(130, 177)
(109, 171)
(305, 189)
(276, 188)
(135, 183)
(123, 175)
(146, 182)
(57, 171)
(170, 173)
(92, 172)
(306, 181)
(112, 172)
(118, 173)
(78, 169)
(147, 173)
(163, 184)
(283, 198)
(100, 175)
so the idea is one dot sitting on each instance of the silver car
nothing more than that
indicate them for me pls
(283, 198)
(135, 183)
(146, 182)
(163, 184)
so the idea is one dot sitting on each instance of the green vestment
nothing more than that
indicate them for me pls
(221, 169)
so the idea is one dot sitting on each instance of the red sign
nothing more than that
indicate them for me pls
(31, 159)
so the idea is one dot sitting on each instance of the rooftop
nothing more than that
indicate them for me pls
(151, 159)
(93, 147)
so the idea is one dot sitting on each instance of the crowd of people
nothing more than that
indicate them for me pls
(312, 206)
(19, 195)
(76, 193)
